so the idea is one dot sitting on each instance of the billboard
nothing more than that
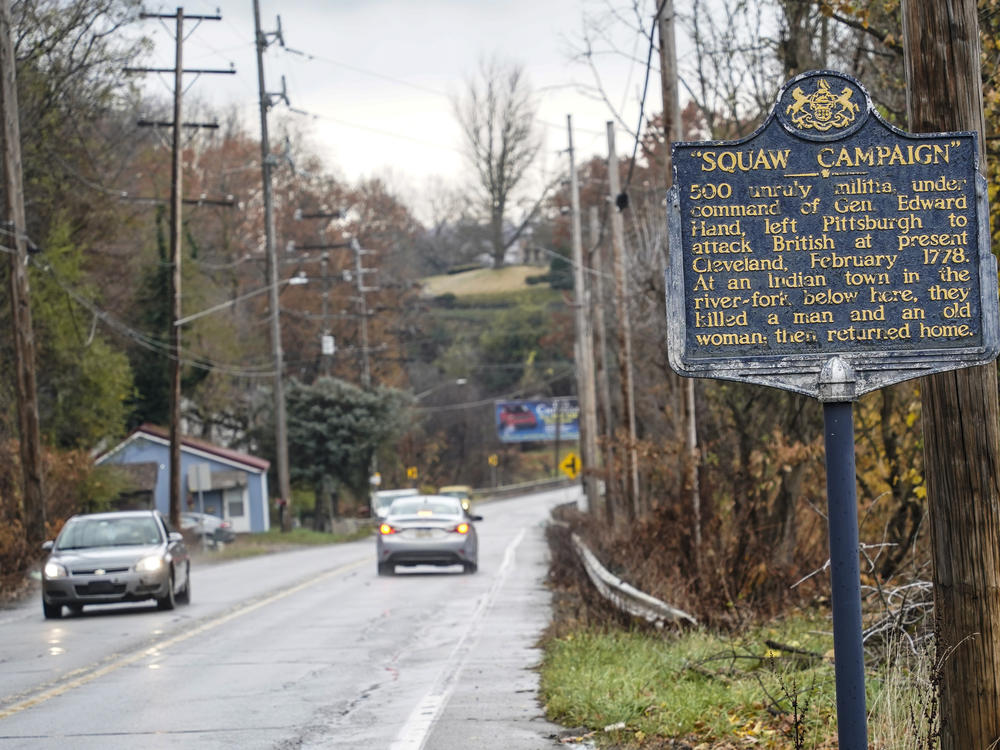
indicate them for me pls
(537, 419)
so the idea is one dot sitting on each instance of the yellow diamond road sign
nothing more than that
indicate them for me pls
(571, 465)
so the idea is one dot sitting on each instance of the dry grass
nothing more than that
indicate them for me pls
(903, 712)
(481, 281)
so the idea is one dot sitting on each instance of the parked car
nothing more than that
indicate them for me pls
(427, 530)
(109, 558)
(462, 491)
(382, 499)
(207, 528)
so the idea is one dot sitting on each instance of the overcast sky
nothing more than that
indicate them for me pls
(377, 77)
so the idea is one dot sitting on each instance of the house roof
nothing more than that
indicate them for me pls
(159, 434)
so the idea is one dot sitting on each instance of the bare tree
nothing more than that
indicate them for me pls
(497, 116)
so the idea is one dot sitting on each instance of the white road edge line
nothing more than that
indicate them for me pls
(418, 726)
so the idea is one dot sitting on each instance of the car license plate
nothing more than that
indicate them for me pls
(424, 533)
(101, 587)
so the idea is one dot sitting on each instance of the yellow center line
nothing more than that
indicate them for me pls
(89, 674)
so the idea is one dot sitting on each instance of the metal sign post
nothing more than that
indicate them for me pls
(831, 254)
(836, 385)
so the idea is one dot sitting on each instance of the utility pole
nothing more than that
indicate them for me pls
(624, 328)
(20, 298)
(360, 271)
(671, 133)
(597, 262)
(266, 162)
(176, 238)
(176, 201)
(327, 345)
(584, 343)
(960, 413)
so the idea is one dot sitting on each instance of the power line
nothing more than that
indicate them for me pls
(151, 343)
(642, 101)
(502, 397)
(369, 129)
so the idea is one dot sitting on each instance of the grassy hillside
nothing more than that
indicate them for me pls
(481, 281)
(508, 339)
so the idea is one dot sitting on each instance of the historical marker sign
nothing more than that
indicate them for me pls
(829, 235)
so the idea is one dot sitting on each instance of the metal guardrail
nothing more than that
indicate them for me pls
(624, 596)
(536, 485)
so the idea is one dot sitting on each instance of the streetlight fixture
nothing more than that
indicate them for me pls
(439, 386)
(298, 280)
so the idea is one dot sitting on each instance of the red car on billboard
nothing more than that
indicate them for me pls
(516, 417)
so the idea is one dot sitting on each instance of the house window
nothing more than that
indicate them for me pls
(236, 508)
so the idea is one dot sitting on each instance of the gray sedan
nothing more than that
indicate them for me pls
(106, 558)
(427, 530)
(208, 529)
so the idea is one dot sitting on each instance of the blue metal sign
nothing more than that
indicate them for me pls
(540, 419)
(831, 254)
(829, 237)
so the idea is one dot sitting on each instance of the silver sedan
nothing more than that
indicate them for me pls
(106, 558)
(427, 530)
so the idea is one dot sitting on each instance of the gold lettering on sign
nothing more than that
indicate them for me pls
(743, 161)
(843, 246)
(726, 211)
(701, 264)
(883, 156)
(861, 186)
(868, 223)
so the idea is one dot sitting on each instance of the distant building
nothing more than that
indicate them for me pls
(216, 480)
(524, 251)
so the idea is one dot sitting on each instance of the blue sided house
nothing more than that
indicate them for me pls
(219, 481)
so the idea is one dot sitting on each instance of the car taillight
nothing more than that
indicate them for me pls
(385, 529)
(462, 528)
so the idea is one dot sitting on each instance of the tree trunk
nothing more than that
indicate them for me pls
(961, 434)
(496, 237)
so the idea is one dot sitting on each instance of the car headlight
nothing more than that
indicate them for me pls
(54, 570)
(149, 564)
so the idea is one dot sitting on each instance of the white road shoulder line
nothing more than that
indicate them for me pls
(418, 726)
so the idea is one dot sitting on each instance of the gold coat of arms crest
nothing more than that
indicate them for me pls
(822, 110)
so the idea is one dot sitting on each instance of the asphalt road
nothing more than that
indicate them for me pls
(304, 649)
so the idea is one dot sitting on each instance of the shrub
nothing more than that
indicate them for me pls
(464, 267)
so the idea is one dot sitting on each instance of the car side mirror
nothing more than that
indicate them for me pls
(176, 536)
(48, 545)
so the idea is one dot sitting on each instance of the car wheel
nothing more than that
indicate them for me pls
(168, 601)
(51, 611)
(470, 567)
(386, 569)
(184, 597)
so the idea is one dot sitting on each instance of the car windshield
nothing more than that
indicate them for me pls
(385, 498)
(417, 506)
(82, 533)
